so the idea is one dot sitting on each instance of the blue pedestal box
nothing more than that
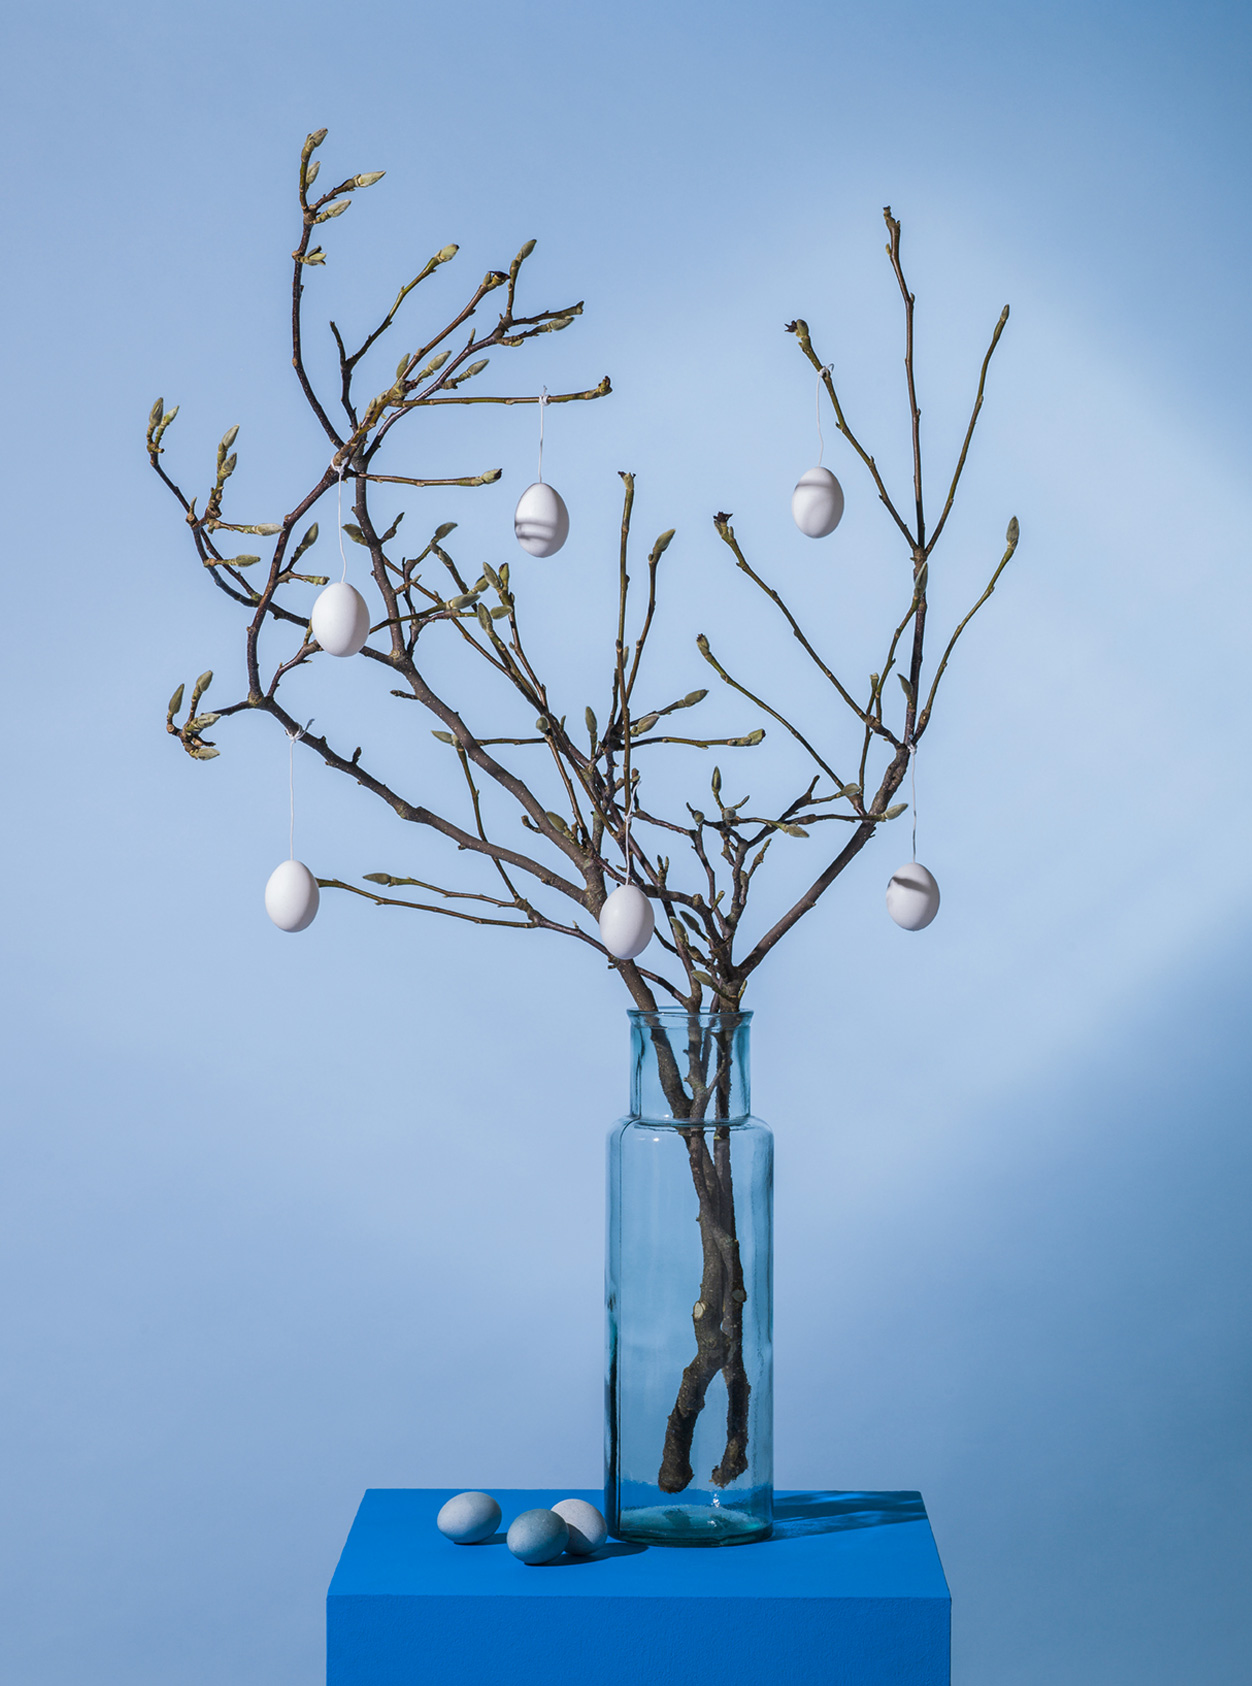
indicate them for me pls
(848, 1592)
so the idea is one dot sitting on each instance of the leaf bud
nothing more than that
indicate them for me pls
(228, 439)
(369, 178)
(310, 175)
(176, 702)
(445, 254)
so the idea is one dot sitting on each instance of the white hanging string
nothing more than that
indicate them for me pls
(913, 777)
(343, 553)
(630, 805)
(821, 442)
(293, 738)
(543, 402)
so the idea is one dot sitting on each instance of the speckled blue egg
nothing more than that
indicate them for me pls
(538, 1536)
(587, 1528)
(468, 1518)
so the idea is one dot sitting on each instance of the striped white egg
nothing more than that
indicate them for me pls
(912, 897)
(817, 503)
(541, 520)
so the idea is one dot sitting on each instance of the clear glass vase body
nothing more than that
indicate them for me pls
(689, 1291)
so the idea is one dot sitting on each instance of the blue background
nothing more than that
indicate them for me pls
(286, 1217)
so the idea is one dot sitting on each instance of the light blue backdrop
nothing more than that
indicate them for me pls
(284, 1217)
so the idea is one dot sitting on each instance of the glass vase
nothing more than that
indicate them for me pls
(689, 1290)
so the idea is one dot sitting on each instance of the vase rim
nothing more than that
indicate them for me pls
(680, 1015)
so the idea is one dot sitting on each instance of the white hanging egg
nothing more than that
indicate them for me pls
(912, 897)
(626, 922)
(341, 619)
(541, 520)
(817, 503)
(291, 896)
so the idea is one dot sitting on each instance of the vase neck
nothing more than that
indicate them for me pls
(689, 1067)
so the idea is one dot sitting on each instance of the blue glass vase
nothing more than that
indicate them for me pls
(689, 1288)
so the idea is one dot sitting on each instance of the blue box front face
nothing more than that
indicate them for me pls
(848, 1592)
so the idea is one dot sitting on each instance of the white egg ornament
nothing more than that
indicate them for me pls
(292, 896)
(626, 922)
(817, 503)
(541, 520)
(340, 620)
(912, 897)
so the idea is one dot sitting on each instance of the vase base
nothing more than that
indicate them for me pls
(690, 1525)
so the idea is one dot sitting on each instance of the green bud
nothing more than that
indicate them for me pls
(369, 178)
(228, 439)
(176, 702)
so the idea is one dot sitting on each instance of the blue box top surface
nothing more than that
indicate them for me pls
(825, 1545)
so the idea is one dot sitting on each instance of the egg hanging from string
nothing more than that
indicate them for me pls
(626, 922)
(292, 896)
(541, 520)
(912, 897)
(817, 503)
(340, 620)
